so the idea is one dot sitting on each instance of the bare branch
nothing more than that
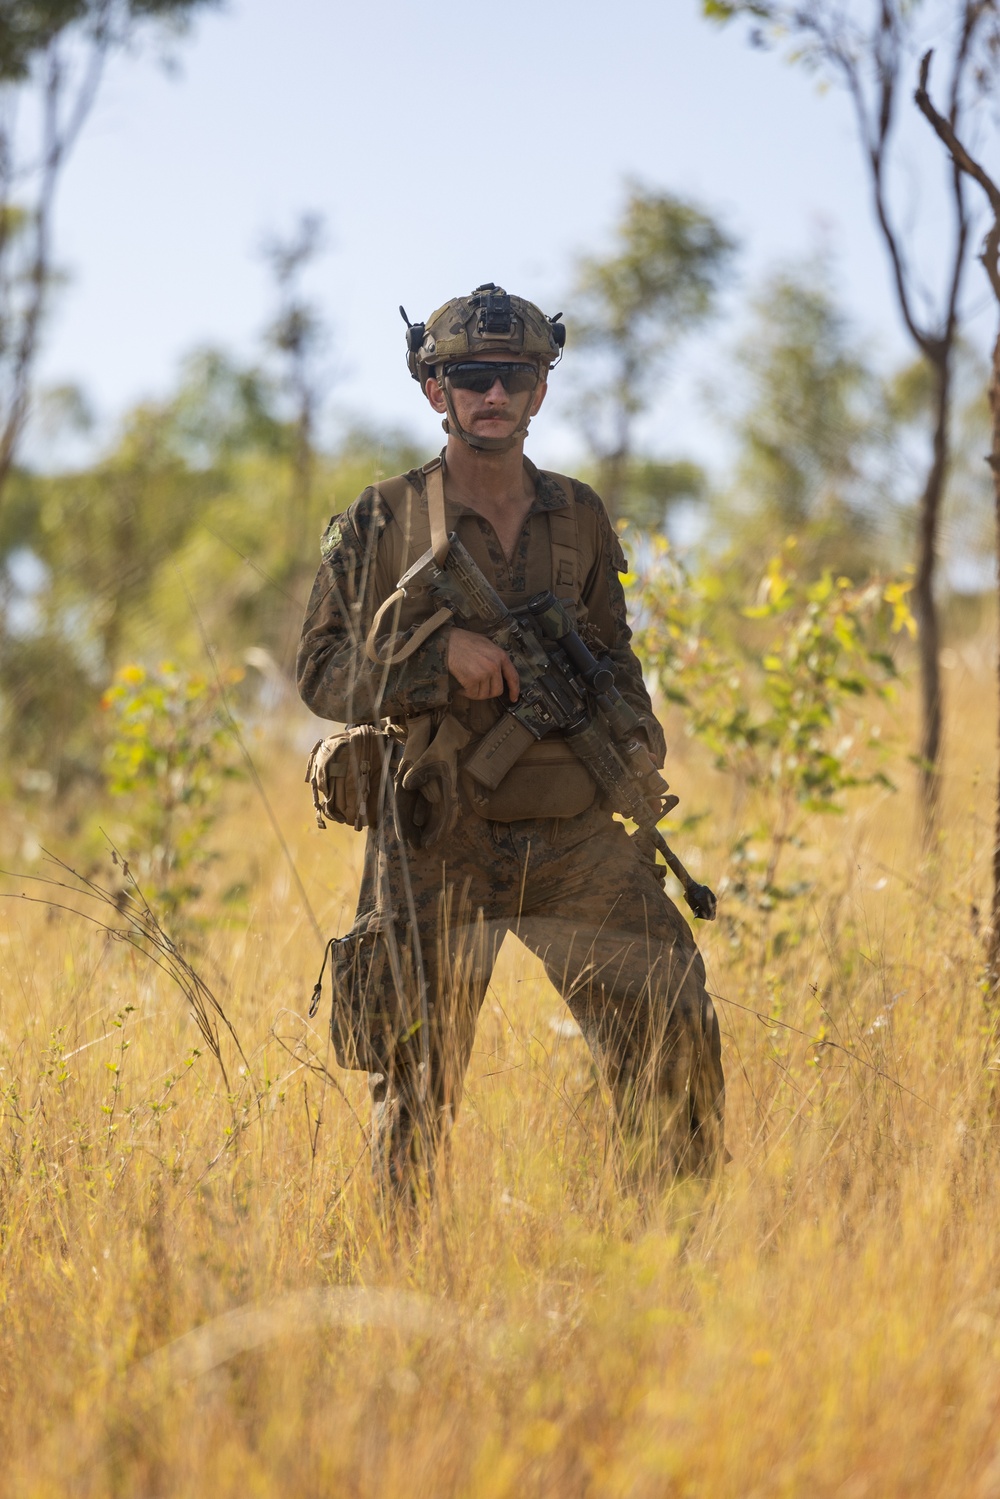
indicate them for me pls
(971, 16)
(875, 134)
(964, 162)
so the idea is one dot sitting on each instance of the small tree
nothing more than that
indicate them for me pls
(813, 432)
(297, 335)
(775, 709)
(172, 741)
(55, 50)
(632, 308)
(866, 46)
(966, 164)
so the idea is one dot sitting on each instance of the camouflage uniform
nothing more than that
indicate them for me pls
(577, 890)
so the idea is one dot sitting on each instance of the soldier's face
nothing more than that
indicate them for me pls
(494, 412)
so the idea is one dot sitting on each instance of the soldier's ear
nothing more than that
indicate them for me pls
(538, 397)
(435, 395)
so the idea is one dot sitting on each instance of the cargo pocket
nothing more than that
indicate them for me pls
(375, 996)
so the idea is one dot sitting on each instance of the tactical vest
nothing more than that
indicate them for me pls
(547, 780)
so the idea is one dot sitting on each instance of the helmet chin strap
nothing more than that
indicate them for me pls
(453, 426)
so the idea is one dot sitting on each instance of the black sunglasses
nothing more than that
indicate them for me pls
(479, 375)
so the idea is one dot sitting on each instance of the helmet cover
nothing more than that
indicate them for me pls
(487, 322)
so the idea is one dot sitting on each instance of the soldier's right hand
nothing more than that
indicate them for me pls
(480, 667)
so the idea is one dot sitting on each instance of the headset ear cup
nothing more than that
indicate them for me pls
(559, 335)
(414, 336)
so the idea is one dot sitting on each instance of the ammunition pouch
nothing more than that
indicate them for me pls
(345, 773)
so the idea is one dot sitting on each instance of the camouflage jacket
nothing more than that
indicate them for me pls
(338, 681)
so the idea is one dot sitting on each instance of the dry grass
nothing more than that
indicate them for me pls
(826, 1321)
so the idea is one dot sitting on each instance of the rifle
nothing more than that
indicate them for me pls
(564, 687)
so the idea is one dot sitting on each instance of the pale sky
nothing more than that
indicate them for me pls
(446, 145)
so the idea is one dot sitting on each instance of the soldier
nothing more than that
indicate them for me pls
(450, 867)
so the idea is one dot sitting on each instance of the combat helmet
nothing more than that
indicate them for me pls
(488, 321)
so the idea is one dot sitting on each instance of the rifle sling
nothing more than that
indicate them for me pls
(564, 546)
(435, 509)
(391, 657)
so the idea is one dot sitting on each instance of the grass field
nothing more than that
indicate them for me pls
(823, 1321)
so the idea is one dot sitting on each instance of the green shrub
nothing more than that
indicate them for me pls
(173, 741)
(772, 703)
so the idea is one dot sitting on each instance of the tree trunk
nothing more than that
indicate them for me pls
(925, 603)
(993, 949)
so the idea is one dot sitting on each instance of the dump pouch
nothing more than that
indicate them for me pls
(345, 773)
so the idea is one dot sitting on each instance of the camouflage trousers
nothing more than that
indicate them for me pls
(589, 902)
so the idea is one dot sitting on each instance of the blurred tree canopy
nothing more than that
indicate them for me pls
(30, 27)
(814, 434)
(630, 311)
(176, 537)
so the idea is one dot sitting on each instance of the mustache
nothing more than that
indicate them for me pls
(508, 410)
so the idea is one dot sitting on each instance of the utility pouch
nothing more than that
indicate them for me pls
(374, 988)
(547, 780)
(345, 773)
